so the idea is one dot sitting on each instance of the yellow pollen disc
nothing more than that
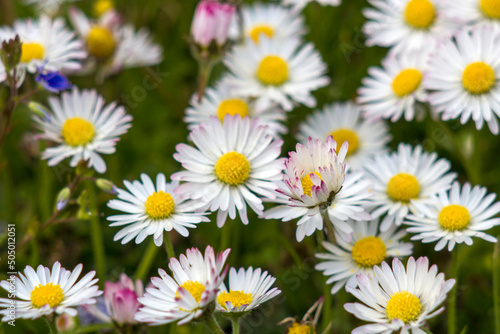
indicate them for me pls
(273, 70)
(403, 305)
(195, 288)
(342, 135)
(478, 78)
(261, 29)
(46, 294)
(237, 298)
(369, 251)
(102, 6)
(100, 42)
(406, 82)
(232, 168)
(307, 183)
(299, 329)
(31, 51)
(402, 187)
(232, 107)
(454, 217)
(159, 205)
(490, 8)
(420, 14)
(77, 131)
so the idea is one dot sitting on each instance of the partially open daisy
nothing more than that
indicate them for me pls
(367, 248)
(219, 102)
(399, 299)
(343, 121)
(407, 25)
(195, 284)
(152, 210)
(83, 128)
(248, 289)
(276, 71)
(475, 11)
(232, 165)
(403, 178)
(464, 77)
(455, 216)
(300, 4)
(45, 291)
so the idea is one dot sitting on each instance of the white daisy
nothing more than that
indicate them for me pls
(368, 248)
(407, 25)
(49, 7)
(475, 11)
(300, 4)
(195, 284)
(152, 210)
(233, 163)
(455, 217)
(397, 299)
(403, 178)
(276, 71)
(344, 122)
(83, 128)
(44, 291)
(248, 289)
(220, 101)
(395, 89)
(464, 77)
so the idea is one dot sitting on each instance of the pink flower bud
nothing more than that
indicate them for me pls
(121, 299)
(211, 22)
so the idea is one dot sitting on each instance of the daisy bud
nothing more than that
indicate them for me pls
(63, 198)
(39, 110)
(211, 22)
(121, 299)
(65, 322)
(106, 186)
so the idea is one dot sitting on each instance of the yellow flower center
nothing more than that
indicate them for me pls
(102, 6)
(232, 168)
(342, 135)
(369, 251)
(46, 294)
(402, 187)
(307, 183)
(273, 70)
(406, 82)
(300, 329)
(454, 217)
(420, 14)
(30, 51)
(490, 8)
(261, 29)
(403, 305)
(237, 298)
(77, 131)
(100, 42)
(159, 205)
(195, 288)
(232, 107)
(478, 78)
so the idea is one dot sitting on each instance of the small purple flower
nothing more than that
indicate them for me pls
(53, 81)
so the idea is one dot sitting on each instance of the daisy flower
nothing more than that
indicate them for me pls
(475, 11)
(276, 71)
(455, 217)
(367, 248)
(344, 122)
(464, 77)
(83, 128)
(195, 284)
(397, 299)
(395, 89)
(44, 292)
(300, 4)
(403, 178)
(248, 289)
(220, 102)
(233, 163)
(151, 210)
(407, 25)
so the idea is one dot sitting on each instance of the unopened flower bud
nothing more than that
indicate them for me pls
(10, 53)
(106, 186)
(39, 110)
(211, 22)
(63, 198)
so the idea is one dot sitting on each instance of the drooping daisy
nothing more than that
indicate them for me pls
(407, 25)
(248, 289)
(276, 71)
(403, 178)
(83, 128)
(464, 77)
(152, 210)
(397, 299)
(475, 11)
(220, 101)
(455, 217)
(300, 4)
(344, 122)
(367, 248)
(44, 292)
(195, 284)
(232, 165)
(49, 7)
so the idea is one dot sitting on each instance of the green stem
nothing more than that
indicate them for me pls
(212, 324)
(168, 245)
(51, 323)
(327, 306)
(496, 284)
(96, 235)
(205, 69)
(452, 299)
(235, 323)
(327, 223)
(146, 261)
